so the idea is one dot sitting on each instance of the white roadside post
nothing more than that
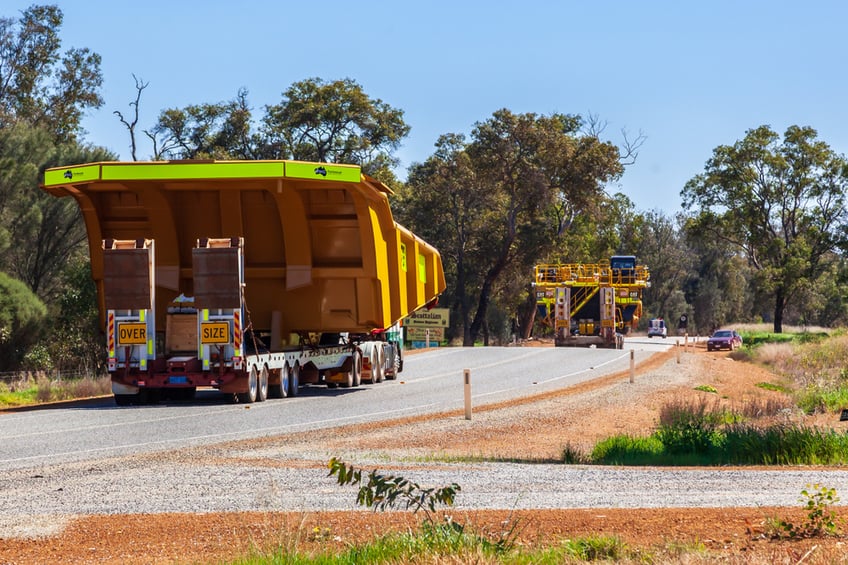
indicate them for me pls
(467, 377)
(632, 365)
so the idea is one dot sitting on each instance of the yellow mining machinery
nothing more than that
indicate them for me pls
(591, 303)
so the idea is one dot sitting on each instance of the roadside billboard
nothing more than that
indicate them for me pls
(435, 318)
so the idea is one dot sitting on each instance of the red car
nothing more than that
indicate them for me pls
(724, 339)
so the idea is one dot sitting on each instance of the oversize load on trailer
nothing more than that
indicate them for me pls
(322, 251)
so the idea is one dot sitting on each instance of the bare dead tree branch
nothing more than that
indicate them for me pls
(630, 148)
(594, 126)
(140, 85)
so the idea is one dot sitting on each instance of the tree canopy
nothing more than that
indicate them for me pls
(507, 195)
(781, 203)
(332, 122)
(40, 85)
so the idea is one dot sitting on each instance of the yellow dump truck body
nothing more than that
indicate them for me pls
(322, 252)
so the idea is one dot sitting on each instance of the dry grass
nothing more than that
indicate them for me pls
(775, 355)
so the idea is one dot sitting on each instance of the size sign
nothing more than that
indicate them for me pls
(132, 334)
(214, 332)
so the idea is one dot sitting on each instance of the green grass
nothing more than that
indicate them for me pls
(758, 334)
(825, 400)
(30, 390)
(735, 444)
(20, 397)
(451, 544)
(772, 387)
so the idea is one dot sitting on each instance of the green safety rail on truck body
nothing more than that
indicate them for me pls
(195, 171)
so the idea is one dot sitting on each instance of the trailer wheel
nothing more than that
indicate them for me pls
(377, 365)
(294, 380)
(397, 364)
(262, 388)
(281, 389)
(353, 376)
(249, 397)
(357, 368)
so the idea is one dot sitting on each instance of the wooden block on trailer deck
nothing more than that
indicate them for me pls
(181, 333)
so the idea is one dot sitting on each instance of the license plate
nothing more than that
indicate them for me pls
(214, 332)
(132, 334)
(178, 380)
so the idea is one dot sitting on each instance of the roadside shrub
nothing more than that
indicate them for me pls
(44, 389)
(774, 354)
(765, 408)
(686, 427)
(823, 399)
(821, 520)
(382, 492)
(596, 548)
(572, 455)
(22, 315)
(88, 387)
(627, 450)
(784, 445)
(37, 359)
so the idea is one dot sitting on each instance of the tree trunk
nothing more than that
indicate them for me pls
(779, 306)
(479, 315)
(527, 315)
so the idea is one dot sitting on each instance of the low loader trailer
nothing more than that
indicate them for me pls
(250, 277)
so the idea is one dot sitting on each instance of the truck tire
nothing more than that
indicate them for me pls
(353, 376)
(262, 385)
(281, 389)
(397, 364)
(357, 368)
(294, 380)
(249, 397)
(377, 364)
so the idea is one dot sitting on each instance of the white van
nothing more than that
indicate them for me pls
(656, 327)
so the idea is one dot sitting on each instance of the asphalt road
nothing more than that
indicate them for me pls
(432, 381)
(100, 459)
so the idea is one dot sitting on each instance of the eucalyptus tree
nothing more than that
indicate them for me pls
(39, 84)
(669, 260)
(39, 234)
(444, 202)
(781, 203)
(719, 288)
(334, 122)
(219, 130)
(497, 204)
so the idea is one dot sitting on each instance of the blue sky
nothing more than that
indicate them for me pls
(688, 75)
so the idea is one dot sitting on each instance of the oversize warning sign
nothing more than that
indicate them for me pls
(132, 334)
(435, 318)
(214, 332)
